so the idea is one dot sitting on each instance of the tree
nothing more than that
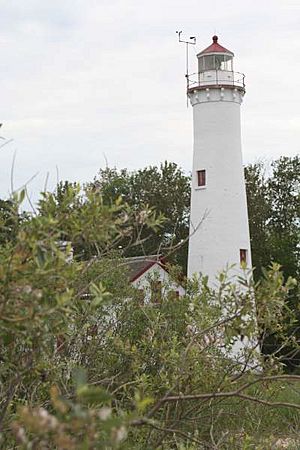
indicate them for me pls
(165, 188)
(9, 221)
(274, 218)
(71, 205)
(274, 214)
(259, 211)
(284, 223)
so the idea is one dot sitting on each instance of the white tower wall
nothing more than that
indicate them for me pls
(219, 220)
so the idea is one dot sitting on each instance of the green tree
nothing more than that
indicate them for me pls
(9, 221)
(165, 188)
(71, 205)
(274, 214)
(284, 221)
(259, 210)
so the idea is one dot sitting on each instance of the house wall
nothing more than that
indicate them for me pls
(156, 272)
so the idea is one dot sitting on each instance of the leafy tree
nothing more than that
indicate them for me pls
(167, 189)
(9, 221)
(274, 214)
(274, 218)
(259, 210)
(71, 206)
(284, 223)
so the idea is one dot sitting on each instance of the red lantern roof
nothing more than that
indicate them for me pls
(215, 48)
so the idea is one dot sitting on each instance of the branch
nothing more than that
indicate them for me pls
(144, 421)
(239, 393)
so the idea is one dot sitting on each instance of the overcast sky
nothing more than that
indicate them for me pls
(90, 82)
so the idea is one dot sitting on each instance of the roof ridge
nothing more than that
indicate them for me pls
(144, 257)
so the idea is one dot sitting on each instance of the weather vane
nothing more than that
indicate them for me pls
(188, 41)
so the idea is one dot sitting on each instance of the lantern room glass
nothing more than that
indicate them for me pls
(217, 61)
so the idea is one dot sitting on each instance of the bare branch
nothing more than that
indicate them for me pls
(239, 393)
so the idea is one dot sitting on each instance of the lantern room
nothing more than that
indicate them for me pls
(215, 57)
(215, 68)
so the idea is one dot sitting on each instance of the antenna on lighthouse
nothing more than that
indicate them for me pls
(187, 41)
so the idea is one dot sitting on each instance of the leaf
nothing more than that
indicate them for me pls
(57, 401)
(91, 395)
(40, 256)
(143, 403)
(99, 293)
(22, 195)
(79, 377)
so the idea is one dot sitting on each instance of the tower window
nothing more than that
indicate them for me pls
(243, 255)
(201, 176)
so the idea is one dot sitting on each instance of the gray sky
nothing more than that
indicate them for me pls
(85, 81)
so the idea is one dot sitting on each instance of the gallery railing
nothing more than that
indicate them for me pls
(215, 78)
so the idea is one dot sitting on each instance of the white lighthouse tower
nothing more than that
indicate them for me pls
(219, 230)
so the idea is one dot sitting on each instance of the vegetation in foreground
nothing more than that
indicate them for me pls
(85, 364)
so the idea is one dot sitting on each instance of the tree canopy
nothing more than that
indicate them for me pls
(165, 188)
(273, 206)
(274, 214)
(273, 195)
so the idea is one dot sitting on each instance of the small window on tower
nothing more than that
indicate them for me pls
(243, 255)
(201, 175)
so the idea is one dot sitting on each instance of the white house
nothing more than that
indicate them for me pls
(150, 275)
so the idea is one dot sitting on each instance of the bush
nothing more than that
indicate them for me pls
(85, 364)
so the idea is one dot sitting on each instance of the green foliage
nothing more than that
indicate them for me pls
(142, 356)
(167, 189)
(10, 218)
(86, 364)
(273, 205)
(93, 226)
(274, 218)
(274, 214)
(284, 197)
(259, 211)
(49, 306)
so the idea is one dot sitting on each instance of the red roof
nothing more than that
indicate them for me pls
(215, 48)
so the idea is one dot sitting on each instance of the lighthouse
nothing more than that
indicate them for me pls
(219, 229)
